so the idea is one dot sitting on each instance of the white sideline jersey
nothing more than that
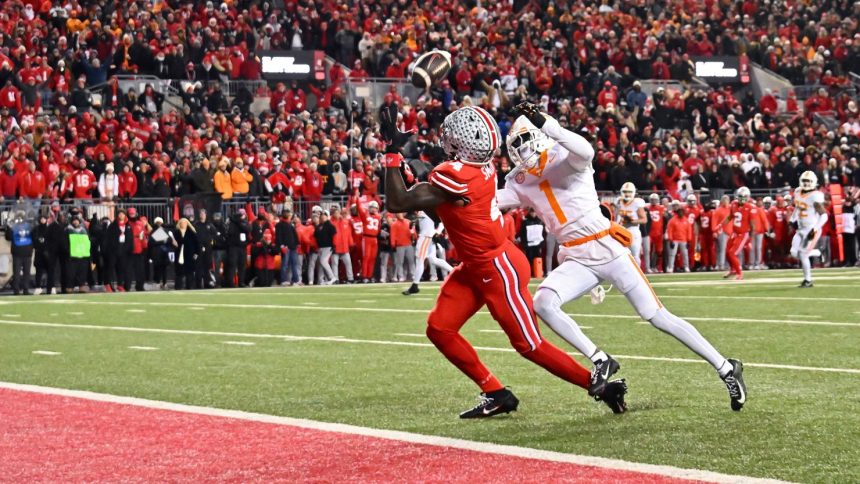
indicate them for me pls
(804, 210)
(629, 210)
(561, 190)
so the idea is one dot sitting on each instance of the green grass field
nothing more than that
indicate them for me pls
(357, 355)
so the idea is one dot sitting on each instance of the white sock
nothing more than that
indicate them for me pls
(725, 369)
(807, 267)
(599, 356)
(547, 305)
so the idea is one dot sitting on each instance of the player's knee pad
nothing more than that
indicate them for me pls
(546, 301)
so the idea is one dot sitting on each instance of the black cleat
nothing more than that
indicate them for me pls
(413, 289)
(603, 369)
(805, 284)
(735, 385)
(493, 403)
(613, 396)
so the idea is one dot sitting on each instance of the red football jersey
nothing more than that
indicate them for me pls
(370, 223)
(477, 228)
(692, 214)
(777, 216)
(742, 215)
(656, 214)
(705, 223)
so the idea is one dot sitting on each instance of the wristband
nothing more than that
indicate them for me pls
(393, 160)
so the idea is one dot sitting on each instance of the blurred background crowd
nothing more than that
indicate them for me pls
(203, 117)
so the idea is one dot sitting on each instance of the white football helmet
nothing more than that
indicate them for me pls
(743, 194)
(654, 199)
(628, 191)
(470, 135)
(767, 202)
(526, 143)
(808, 181)
(691, 199)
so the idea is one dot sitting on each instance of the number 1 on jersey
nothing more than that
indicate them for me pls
(550, 197)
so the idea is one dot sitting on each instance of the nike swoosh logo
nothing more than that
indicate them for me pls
(488, 411)
(487, 280)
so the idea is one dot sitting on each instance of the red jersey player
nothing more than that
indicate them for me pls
(462, 193)
(743, 216)
(370, 223)
(655, 236)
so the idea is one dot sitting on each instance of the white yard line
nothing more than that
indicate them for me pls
(46, 353)
(239, 343)
(509, 450)
(365, 301)
(338, 339)
(143, 348)
(411, 335)
(135, 310)
(424, 311)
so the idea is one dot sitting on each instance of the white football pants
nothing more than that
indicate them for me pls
(572, 279)
(426, 249)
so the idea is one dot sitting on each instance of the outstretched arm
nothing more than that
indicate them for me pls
(422, 196)
(581, 151)
(507, 198)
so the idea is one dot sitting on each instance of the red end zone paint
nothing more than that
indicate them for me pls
(52, 438)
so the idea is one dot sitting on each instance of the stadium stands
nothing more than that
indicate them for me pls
(169, 94)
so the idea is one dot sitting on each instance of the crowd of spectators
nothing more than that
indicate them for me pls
(70, 131)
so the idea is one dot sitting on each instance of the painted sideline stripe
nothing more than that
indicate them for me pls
(340, 339)
(239, 343)
(510, 450)
(424, 311)
(143, 348)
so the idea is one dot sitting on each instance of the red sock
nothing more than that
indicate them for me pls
(463, 356)
(559, 364)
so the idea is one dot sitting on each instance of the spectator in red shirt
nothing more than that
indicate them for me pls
(767, 104)
(343, 241)
(401, 241)
(313, 185)
(32, 184)
(8, 181)
(127, 182)
(83, 181)
(607, 95)
(10, 98)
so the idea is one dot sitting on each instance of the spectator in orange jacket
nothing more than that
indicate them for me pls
(240, 179)
(343, 241)
(222, 181)
(679, 232)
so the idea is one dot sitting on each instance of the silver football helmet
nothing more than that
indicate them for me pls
(526, 143)
(470, 135)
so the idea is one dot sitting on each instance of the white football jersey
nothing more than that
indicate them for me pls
(426, 226)
(804, 209)
(561, 190)
(630, 210)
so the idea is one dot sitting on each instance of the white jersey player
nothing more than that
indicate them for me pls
(554, 175)
(809, 215)
(425, 249)
(631, 214)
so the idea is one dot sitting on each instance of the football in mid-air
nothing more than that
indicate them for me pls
(430, 68)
